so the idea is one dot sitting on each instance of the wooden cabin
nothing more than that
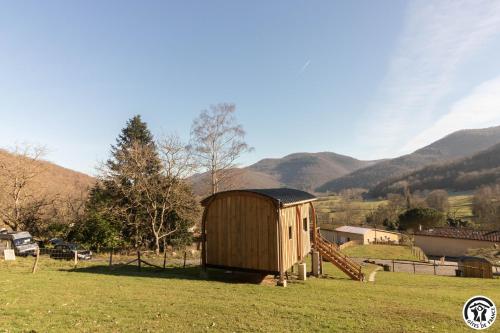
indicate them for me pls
(475, 267)
(259, 230)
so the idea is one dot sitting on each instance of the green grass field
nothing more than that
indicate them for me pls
(377, 251)
(329, 208)
(462, 205)
(94, 299)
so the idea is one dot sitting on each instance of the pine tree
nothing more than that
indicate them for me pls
(138, 194)
(134, 137)
(135, 132)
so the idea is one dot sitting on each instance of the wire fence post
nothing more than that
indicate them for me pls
(111, 258)
(393, 265)
(413, 267)
(164, 257)
(138, 260)
(36, 261)
(184, 266)
(75, 259)
(434, 266)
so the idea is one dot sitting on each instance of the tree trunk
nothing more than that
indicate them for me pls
(157, 245)
(214, 182)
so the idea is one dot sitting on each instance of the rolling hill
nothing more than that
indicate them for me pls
(454, 146)
(53, 180)
(238, 178)
(465, 174)
(307, 171)
(303, 171)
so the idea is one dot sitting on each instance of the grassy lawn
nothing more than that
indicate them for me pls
(376, 251)
(94, 299)
(329, 207)
(462, 205)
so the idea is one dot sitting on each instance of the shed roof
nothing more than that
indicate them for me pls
(353, 230)
(283, 196)
(462, 233)
(471, 258)
(361, 230)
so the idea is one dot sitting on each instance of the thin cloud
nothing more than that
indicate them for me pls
(304, 67)
(481, 108)
(438, 37)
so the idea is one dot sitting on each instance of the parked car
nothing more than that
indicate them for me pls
(67, 251)
(55, 241)
(21, 241)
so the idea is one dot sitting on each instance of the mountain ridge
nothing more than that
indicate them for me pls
(456, 145)
(300, 170)
(464, 174)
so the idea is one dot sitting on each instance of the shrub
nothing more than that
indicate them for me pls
(413, 218)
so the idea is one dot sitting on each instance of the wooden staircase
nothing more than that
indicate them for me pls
(330, 251)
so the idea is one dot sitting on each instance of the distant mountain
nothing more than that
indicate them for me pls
(307, 171)
(465, 174)
(303, 171)
(238, 178)
(457, 145)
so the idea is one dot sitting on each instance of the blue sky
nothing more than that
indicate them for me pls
(370, 79)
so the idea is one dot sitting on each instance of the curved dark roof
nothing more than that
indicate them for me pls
(283, 196)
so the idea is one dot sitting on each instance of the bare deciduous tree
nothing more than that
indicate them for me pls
(486, 206)
(178, 158)
(20, 200)
(157, 195)
(438, 199)
(218, 141)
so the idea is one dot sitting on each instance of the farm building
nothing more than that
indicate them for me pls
(361, 235)
(263, 230)
(454, 242)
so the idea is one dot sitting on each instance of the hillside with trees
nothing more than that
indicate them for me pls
(304, 171)
(37, 195)
(463, 175)
(457, 145)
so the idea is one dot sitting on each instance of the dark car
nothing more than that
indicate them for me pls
(56, 241)
(67, 251)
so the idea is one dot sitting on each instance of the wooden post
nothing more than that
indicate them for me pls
(281, 280)
(164, 257)
(413, 267)
(315, 263)
(75, 260)
(434, 267)
(314, 222)
(138, 260)
(320, 265)
(111, 258)
(36, 261)
(204, 242)
(393, 265)
(184, 266)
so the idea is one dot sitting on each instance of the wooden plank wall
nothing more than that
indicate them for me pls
(477, 269)
(241, 231)
(299, 245)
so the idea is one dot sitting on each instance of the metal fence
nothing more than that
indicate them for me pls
(67, 257)
(432, 268)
